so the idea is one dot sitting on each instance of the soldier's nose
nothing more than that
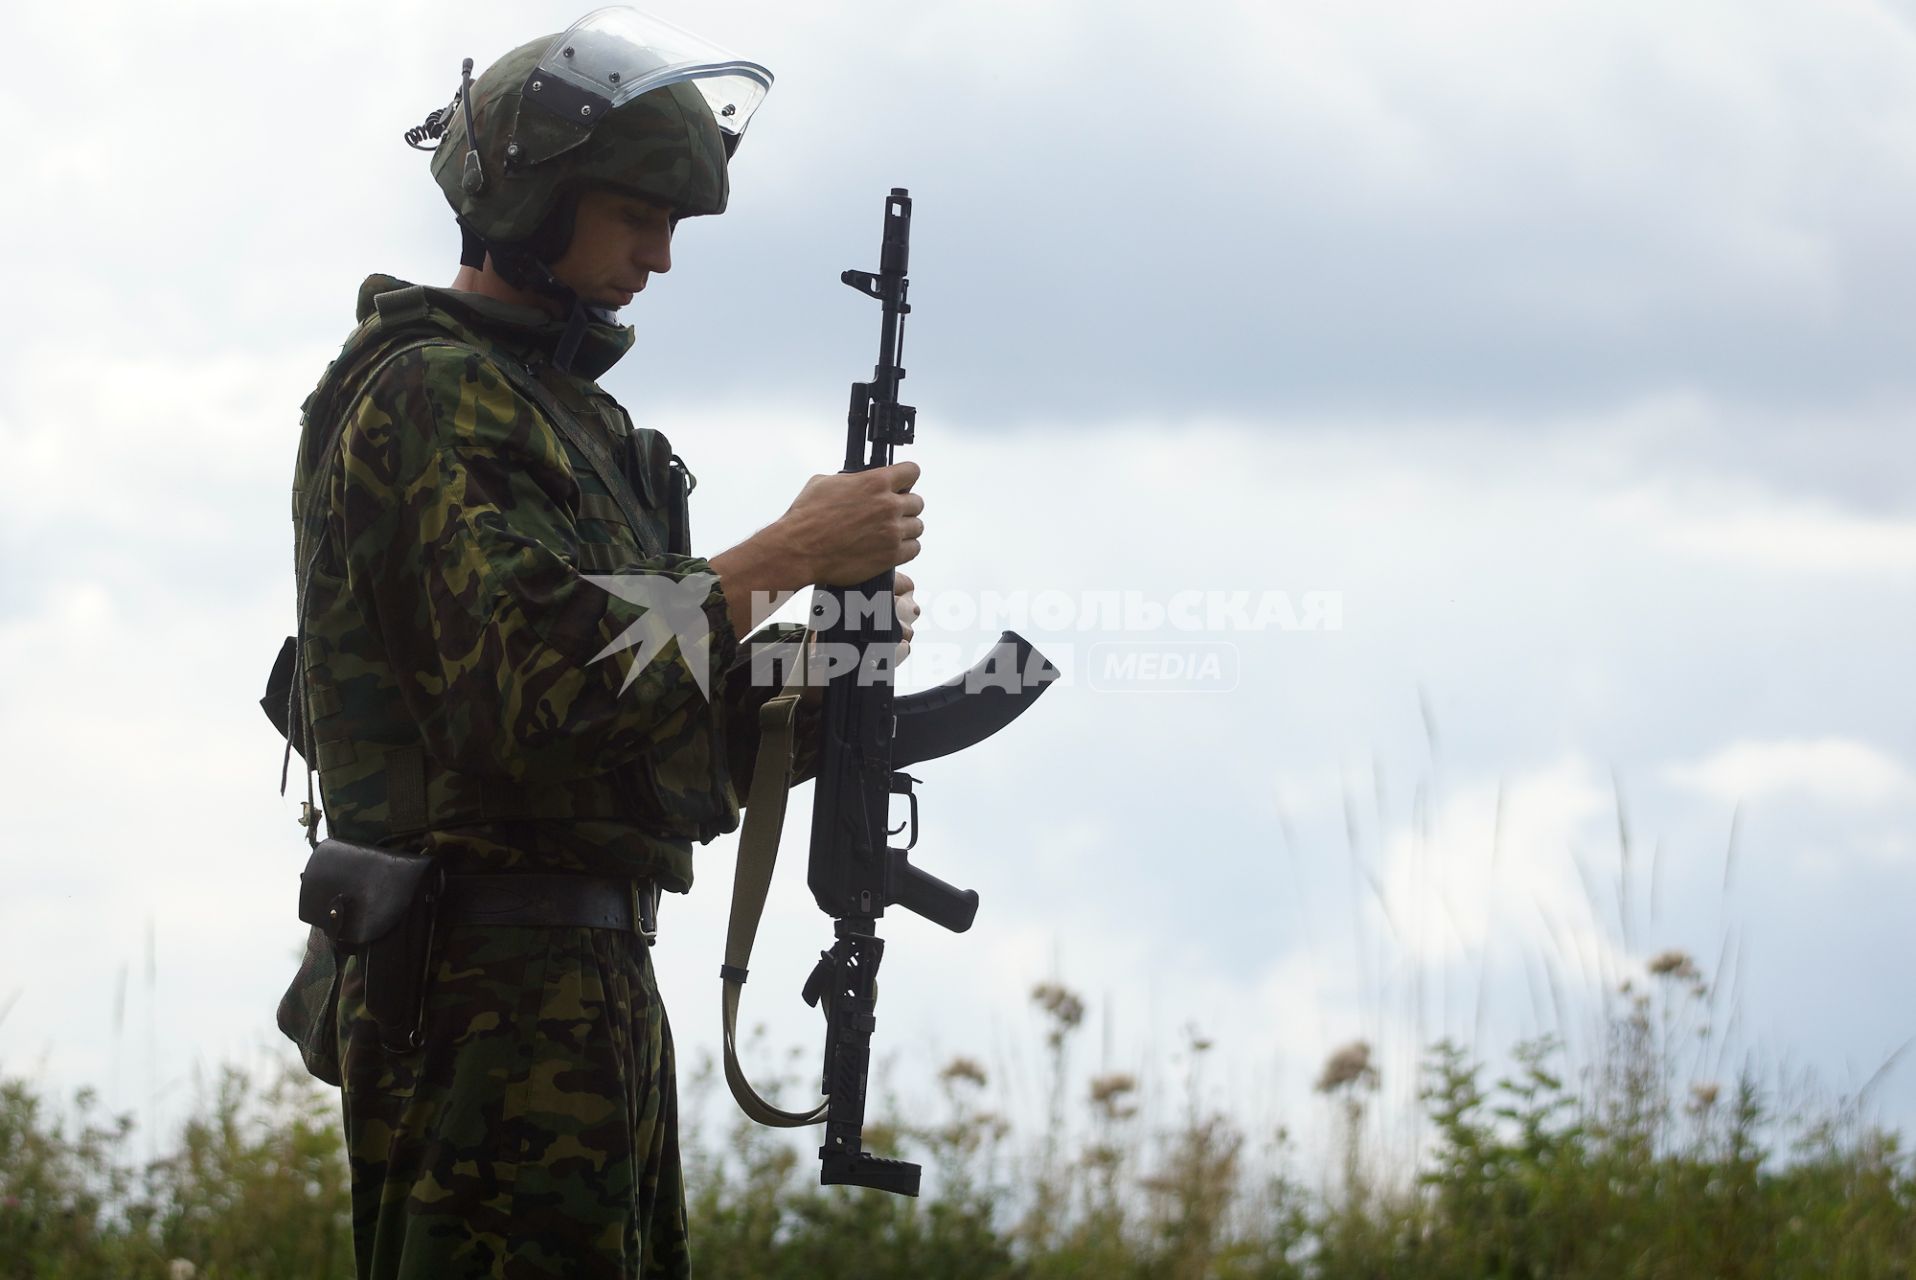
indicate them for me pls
(655, 253)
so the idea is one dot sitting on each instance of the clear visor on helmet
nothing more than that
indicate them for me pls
(618, 53)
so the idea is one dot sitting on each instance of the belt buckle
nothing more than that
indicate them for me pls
(645, 911)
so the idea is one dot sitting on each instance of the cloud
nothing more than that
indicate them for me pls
(1567, 342)
(1248, 210)
(1833, 770)
(1495, 859)
(1737, 522)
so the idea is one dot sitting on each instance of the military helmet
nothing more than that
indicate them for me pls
(620, 99)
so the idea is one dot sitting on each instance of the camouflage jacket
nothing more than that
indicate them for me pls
(455, 696)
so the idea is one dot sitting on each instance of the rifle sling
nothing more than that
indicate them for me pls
(757, 855)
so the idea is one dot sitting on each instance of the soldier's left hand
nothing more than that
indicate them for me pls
(906, 606)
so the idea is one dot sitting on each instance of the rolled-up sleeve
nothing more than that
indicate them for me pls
(456, 521)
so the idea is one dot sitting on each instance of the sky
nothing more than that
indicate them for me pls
(1559, 346)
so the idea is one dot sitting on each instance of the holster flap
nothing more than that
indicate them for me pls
(357, 893)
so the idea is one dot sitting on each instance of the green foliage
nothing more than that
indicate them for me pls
(255, 1186)
(1600, 1173)
(58, 1177)
(1528, 1177)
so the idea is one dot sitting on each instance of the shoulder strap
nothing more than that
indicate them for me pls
(528, 385)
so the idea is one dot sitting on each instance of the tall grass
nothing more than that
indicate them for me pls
(1611, 1168)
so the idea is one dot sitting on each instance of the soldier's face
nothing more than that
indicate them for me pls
(618, 241)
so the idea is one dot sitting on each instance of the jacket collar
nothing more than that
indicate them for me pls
(527, 329)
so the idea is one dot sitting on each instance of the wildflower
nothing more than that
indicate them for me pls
(181, 1269)
(966, 1069)
(1108, 1094)
(1066, 1010)
(1703, 1096)
(991, 1126)
(1059, 1002)
(1349, 1065)
(1674, 963)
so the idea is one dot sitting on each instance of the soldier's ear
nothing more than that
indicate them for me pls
(553, 236)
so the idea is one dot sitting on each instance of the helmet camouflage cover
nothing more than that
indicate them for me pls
(618, 100)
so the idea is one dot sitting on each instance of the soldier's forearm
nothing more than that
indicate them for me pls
(759, 575)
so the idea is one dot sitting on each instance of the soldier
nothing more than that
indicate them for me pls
(467, 692)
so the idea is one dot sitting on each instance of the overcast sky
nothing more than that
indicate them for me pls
(1565, 343)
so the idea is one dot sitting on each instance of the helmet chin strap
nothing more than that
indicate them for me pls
(519, 267)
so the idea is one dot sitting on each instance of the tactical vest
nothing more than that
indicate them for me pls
(378, 782)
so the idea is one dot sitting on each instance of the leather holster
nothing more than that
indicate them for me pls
(383, 905)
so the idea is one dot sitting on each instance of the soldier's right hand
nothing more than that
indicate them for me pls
(850, 527)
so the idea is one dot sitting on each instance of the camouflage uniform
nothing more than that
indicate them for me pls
(458, 709)
(459, 700)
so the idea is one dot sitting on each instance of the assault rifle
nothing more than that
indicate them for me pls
(868, 737)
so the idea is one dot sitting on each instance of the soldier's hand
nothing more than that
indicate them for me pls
(849, 527)
(906, 606)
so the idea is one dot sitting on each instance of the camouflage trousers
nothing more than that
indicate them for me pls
(536, 1132)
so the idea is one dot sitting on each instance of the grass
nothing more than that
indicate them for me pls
(1615, 1170)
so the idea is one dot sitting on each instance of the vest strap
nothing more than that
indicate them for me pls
(405, 770)
(528, 385)
(397, 306)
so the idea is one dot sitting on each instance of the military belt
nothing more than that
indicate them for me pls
(553, 902)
